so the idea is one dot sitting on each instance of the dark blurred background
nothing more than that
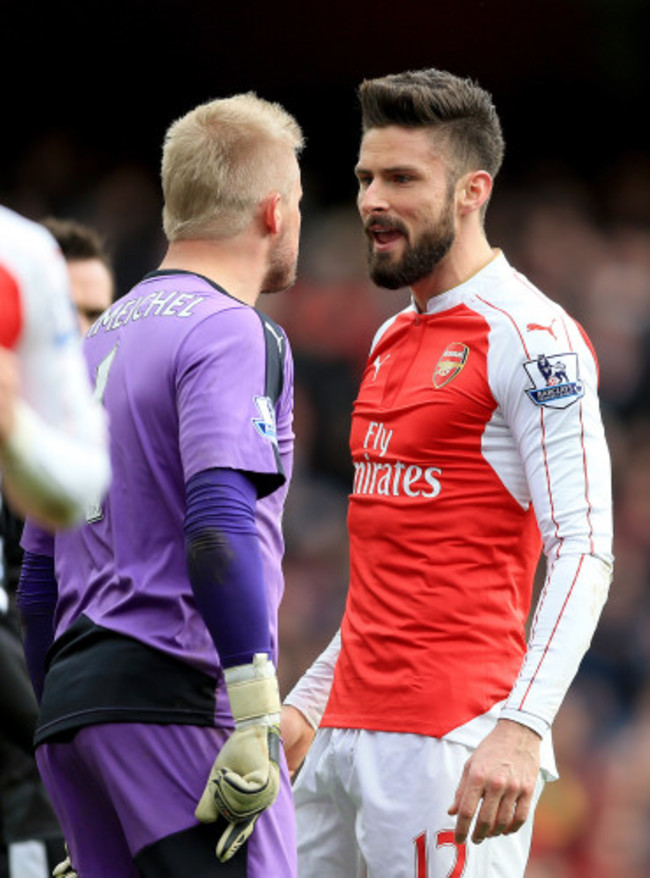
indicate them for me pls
(88, 92)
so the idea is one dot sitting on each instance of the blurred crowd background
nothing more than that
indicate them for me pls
(571, 210)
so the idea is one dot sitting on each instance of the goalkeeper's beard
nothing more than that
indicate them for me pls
(281, 271)
(419, 259)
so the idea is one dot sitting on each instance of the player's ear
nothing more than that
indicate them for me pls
(271, 213)
(473, 191)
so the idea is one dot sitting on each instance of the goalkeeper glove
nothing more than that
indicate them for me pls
(64, 869)
(245, 777)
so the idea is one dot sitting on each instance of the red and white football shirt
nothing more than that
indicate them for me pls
(476, 431)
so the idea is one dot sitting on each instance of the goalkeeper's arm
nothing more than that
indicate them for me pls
(36, 601)
(225, 570)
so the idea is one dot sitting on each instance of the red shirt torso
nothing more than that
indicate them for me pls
(442, 555)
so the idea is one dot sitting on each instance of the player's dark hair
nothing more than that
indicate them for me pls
(457, 108)
(77, 241)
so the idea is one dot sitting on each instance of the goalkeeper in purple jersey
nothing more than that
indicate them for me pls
(157, 736)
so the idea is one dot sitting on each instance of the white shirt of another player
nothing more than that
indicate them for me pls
(56, 460)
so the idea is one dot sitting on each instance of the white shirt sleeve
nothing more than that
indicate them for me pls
(56, 461)
(550, 403)
(311, 692)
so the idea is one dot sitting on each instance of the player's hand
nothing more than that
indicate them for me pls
(500, 776)
(245, 777)
(65, 869)
(297, 735)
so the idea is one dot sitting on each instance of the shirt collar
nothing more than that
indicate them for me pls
(495, 271)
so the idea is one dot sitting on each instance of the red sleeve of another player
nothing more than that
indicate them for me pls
(10, 310)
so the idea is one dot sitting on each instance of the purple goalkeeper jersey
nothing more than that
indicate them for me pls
(191, 379)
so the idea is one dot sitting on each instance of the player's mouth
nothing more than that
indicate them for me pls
(384, 235)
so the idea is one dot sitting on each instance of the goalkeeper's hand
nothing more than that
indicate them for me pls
(245, 777)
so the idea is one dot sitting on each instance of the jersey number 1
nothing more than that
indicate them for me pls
(94, 509)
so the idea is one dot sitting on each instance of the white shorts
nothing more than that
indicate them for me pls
(374, 805)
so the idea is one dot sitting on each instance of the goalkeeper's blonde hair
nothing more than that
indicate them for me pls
(221, 160)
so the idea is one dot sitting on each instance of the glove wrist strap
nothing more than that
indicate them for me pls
(253, 692)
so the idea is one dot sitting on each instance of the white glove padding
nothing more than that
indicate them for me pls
(245, 777)
(64, 869)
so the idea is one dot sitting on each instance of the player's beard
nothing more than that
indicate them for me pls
(419, 258)
(282, 268)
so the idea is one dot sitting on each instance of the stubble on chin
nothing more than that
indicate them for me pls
(281, 272)
(278, 279)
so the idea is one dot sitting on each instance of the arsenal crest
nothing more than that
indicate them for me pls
(450, 363)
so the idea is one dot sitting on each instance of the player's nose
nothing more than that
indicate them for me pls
(372, 199)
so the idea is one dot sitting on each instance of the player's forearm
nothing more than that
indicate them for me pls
(297, 736)
(50, 475)
(312, 691)
(567, 613)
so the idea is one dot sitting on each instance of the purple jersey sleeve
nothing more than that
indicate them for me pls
(225, 420)
(225, 563)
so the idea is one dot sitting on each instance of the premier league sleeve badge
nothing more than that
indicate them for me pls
(556, 380)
